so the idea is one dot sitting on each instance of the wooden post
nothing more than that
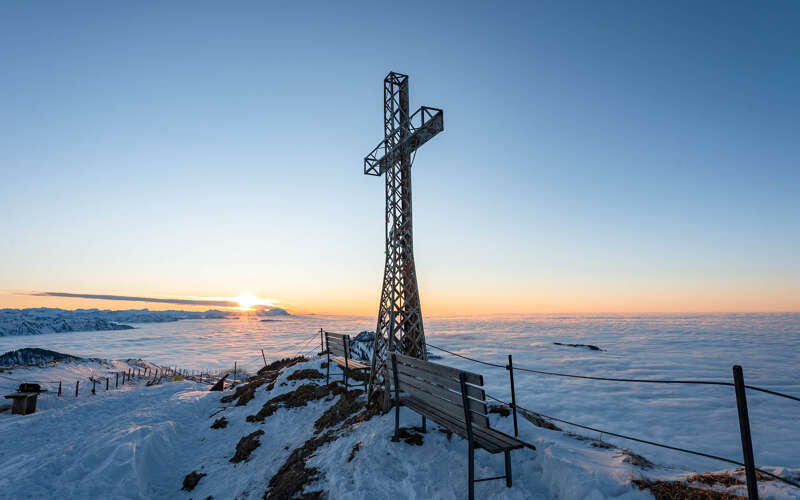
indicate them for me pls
(265, 358)
(116, 382)
(107, 379)
(94, 384)
(744, 429)
(59, 388)
(510, 369)
(234, 373)
(321, 343)
(77, 383)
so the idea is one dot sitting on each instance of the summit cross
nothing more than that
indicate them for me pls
(399, 316)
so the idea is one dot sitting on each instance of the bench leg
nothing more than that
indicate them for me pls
(471, 472)
(344, 377)
(328, 373)
(508, 468)
(396, 436)
(424, 427)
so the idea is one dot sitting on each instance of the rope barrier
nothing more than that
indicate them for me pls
(630, 438)
(612, 379)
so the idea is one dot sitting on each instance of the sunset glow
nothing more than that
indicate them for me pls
(247, 301)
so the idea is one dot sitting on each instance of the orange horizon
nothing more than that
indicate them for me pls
(438, 305)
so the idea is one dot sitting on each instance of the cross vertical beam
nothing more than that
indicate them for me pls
(400, 326)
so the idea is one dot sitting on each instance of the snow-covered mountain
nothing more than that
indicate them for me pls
(35, 321)
(34, 356)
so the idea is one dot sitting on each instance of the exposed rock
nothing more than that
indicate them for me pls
(587, 346)
(220, 423)
(410, 437)
(347, 405)
(191, 480)
(501, 410)
(635, 459)
(712, 479)
(247, 391)
(353, 452)
(671, 490)
(305, 374)
(246, 446)
(294, 399)
(281, 364)
(539, 421)
(294, 474)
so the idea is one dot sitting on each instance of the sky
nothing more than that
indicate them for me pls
(631, 156)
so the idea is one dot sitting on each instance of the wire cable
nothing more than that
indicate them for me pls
(612, 379)
(630, 438)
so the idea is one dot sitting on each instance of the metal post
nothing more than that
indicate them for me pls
(510, 369)
(264, 357)
(59, 388)
(321, 343)
(234, 373)
(396, 436)
(107, 379)
(77, 383)
(744, 429)
(468, 425)
(116, 382)
(94, 383)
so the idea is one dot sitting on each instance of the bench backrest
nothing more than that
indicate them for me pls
(338, 344)
(440, 387)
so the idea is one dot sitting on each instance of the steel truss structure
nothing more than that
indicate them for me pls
(399, 316)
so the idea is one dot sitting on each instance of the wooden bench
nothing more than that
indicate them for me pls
(337, 346)
(455, 400)
(24, 400)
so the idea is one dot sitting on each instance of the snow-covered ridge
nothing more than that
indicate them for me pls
(34, 356)
(35, 321)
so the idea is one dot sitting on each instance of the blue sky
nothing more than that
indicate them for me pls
(597, 156)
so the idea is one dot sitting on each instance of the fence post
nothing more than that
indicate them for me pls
(107, 382)
(77, 383)
(116, 381)
(321, 343)
(94, 383)
(510, 369)
(265, 358)
(59, 388)
(744, 429)
(234, 373)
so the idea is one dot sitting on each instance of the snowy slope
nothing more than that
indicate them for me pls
(141, 442)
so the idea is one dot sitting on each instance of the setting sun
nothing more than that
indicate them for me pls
(247, 301)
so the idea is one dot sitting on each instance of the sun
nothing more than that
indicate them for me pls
(247, 301)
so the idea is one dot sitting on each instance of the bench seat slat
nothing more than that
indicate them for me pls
(456, 411)
(446, 371)
(487, 435)
(489, 439)
(446, 381)
(352, 364)
(478, 406)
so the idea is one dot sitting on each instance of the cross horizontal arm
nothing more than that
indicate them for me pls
(430, 122)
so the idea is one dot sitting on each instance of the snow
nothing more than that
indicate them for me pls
(149, 438)
(140, 442)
